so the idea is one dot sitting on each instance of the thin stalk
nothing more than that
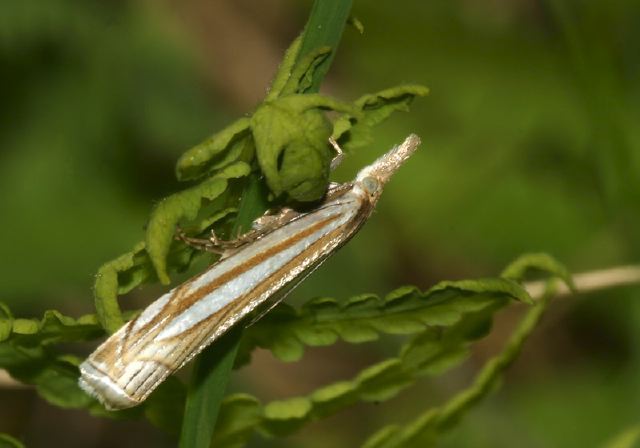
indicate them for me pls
(591, 281)
(324, 28)
(213, 367)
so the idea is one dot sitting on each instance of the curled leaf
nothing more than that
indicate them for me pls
(291, 135)
(284, 71)
(184, 205)
(353, 131)
(301, 78)
(220, 150)
(116, 277)
(538, 264)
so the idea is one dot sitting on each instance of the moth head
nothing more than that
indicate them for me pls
(371, 179)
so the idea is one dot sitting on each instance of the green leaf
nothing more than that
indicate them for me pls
(285, 331)
(218, 151)
(383, 437)
(629, 438)
(324, 28)
(353, 131)
(27, 353)
(446, 319)
(291, 135)
(6, 322)
(212, 369)
(58, 384)
(55, 377)
(53, 328)
(184, 205)
(242, 413)
(131, 269)
(6, 441)
(302, 76)
(286, 416)
(376, 383)
(116, 277)
(538, 264)
(164, 408)
(285, 69)
(425, 429)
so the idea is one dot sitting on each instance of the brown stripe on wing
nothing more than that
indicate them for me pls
(183, 301)
(115, 348)
(133, 343)
(209, 326)
(191, 341)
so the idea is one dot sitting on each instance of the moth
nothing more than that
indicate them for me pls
(271, 259)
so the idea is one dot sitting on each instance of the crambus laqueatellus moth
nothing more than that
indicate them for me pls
(280, 251)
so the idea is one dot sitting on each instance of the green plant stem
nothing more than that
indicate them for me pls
(424, 430)
(324, 28)
(213, 367)
(493, 370)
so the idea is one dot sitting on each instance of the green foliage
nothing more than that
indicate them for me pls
(355, 130)
(184, 206)
(27, 352)
(301, 71)
(214, 153)
(324, 321)
(287, 135)
(495, 164)
(445, 319)
(425, 429)
(530, 265)
(6, 441)
(629, 438)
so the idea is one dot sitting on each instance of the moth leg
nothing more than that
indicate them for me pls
(335, 189)
(239, 241)
(272, 220)
(261, 226)
(206, 245)
(337, 159)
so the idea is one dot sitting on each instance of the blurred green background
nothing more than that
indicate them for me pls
(531, 143)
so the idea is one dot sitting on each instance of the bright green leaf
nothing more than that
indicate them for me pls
(220, 150)
(291, 135)
(285, 331)
(285, 69)
(301, 79)
(6, 322)
(355, 131)
(184, 205)
(108, 281)
(539, 263)
(424, 430)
